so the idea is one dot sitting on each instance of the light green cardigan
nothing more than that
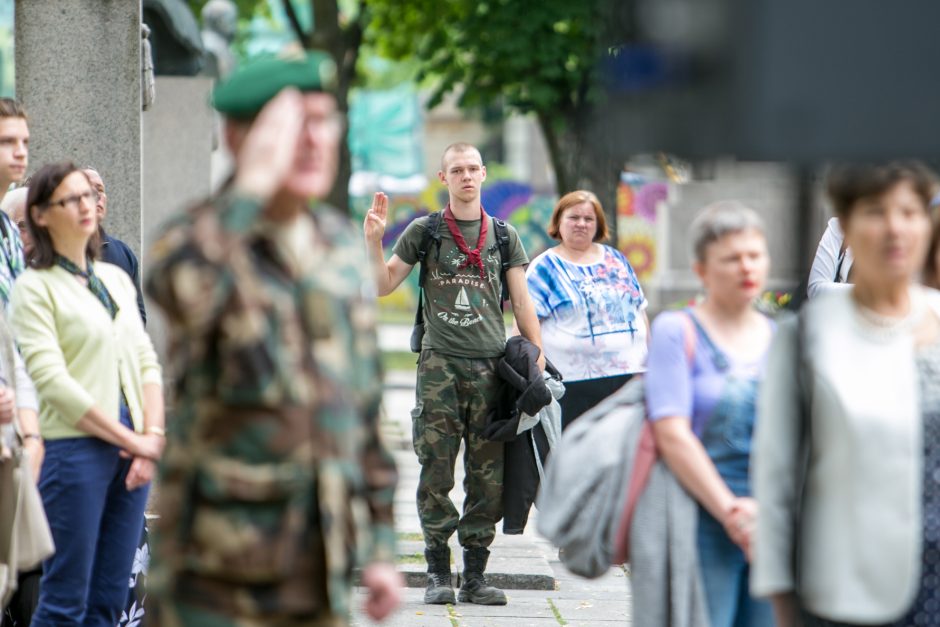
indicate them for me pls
(76, 355)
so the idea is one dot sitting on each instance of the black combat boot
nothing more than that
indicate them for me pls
(440, 591)
(473, 588)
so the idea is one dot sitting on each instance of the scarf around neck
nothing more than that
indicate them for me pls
(473, 256)
(95, 284)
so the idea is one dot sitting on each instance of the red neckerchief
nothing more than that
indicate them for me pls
(473, 256)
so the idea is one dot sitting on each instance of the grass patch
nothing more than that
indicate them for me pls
(452, 615)
(416, 558)
(399, 360)
(411, 558)
(387, 315)
(415, 536)
(558, 616)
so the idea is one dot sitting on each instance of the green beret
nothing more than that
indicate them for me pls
(251, 85)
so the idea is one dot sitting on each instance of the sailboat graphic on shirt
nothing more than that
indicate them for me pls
(462, 303)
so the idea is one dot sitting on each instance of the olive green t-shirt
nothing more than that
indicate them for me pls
(462, 313)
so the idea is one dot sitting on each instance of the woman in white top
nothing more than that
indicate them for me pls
(590, 305)
(832, 264)
(852, 536)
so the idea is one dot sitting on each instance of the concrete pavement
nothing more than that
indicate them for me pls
(541, 592)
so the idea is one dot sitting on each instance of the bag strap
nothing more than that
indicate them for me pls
(419, 313)
(838, 277)
(689, 336)
(502, 240)
(805, 390)
(430, 235)
(645, 458)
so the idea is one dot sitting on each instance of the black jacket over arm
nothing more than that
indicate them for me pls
(522, 391)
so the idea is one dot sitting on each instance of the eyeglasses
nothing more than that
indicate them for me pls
(73, 202)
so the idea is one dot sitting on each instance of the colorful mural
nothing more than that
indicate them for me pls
(508, 200)
(638, 200)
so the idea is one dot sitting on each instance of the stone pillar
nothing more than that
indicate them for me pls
(78, 73)
(177, 160)
(177, 149)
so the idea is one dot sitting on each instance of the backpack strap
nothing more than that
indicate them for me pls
(502, 240)
(430, 235)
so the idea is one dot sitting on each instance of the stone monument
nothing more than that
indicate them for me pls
(219, 20)
(177, 46)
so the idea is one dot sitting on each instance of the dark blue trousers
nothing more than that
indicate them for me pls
(96, 524)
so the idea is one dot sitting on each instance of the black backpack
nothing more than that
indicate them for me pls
(431, 234)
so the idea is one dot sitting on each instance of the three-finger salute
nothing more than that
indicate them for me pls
(374, 225)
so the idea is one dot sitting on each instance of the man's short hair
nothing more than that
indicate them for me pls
(458, 147)
(11, 108)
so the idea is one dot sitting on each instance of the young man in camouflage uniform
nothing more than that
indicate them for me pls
(457, 378)
(273, 440)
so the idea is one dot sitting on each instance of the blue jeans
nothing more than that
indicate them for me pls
(725, 575)
(96, 524)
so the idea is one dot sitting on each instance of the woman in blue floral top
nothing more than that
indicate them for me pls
(590, 306)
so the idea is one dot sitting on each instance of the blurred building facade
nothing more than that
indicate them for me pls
(396, 143)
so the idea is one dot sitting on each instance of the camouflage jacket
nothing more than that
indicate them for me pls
(273, 466)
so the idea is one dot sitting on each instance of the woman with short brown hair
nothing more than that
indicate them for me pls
(590, 306)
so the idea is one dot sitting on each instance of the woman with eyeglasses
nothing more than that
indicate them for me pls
(101, 403)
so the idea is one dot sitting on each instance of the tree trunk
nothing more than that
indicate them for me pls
(581, 162)
(343, 46)
(552, 141)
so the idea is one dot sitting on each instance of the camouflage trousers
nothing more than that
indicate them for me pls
(454, 395)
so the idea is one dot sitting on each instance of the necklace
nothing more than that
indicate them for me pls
(888, 327)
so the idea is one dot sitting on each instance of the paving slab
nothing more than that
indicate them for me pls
(539, 609)
(526, 570)
(515, 563)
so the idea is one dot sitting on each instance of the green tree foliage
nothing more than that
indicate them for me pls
(534, 57)
(337, 29)
(246, 8)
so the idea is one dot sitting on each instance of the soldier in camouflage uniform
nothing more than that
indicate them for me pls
(273, 466)
(457, 378)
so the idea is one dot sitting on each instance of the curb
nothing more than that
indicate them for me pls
(416, 577)
(519, 566)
